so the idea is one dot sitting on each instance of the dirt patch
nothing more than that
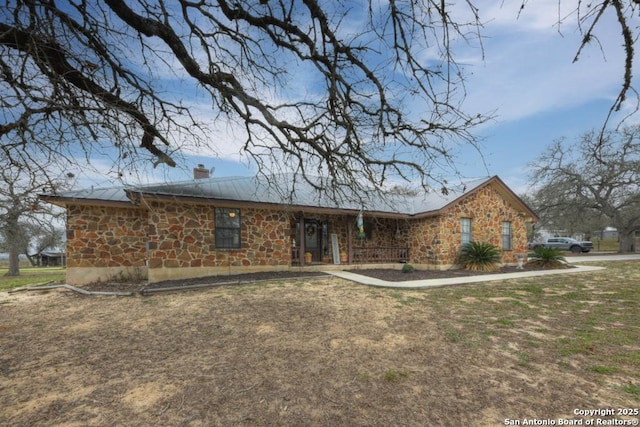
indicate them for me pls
(299, 352)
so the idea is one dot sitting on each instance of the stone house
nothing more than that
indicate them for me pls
(214, 226)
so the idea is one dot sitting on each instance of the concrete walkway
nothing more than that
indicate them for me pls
(421, 284)
(603, 257)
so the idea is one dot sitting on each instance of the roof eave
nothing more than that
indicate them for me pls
(142, 197)
(513, 199)
(63, 202)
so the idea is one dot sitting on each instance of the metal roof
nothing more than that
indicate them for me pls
(109, 194)
(285, 189)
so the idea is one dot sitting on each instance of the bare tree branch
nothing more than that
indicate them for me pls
(590, 16)
(364, 95)
(594, 180)
(20, 211)
(82, 75)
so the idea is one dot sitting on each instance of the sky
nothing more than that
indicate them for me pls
(525, 77)
(538, 93)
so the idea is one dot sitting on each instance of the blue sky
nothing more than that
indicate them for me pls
(527, 78)
(539, 93)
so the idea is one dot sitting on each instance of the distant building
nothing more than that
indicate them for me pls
(607, 233)
(52, 259)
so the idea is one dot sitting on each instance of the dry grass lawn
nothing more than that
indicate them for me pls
(319, 352)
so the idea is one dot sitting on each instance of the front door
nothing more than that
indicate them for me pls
(313, 239)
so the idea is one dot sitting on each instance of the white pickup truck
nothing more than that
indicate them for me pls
(565, 244)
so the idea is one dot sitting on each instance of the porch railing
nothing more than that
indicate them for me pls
(371, 255)
(380, 254)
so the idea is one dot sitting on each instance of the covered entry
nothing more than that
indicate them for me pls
(312, 237)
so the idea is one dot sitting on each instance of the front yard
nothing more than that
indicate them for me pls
(324, 351)
(30, 276)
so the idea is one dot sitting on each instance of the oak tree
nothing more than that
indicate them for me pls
(594, 181)
(22, 217)
(360, 91)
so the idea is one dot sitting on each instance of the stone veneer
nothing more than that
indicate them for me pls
(173, 240)
(182, 242)
(110, 243)
(105, 243)
(436, 241)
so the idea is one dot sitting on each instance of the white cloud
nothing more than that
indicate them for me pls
(528, 68)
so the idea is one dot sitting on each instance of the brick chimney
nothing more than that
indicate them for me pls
(200, 172)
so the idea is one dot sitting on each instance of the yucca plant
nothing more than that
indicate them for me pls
(480, 256)
(547, 258)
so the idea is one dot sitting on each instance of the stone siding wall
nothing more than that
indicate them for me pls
(437, 241)
(425, 242)
(175, 240)
(182, 236)
(105, 236)
(383, 233)
(105, 243)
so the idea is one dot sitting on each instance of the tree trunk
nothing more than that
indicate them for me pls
(14, 262)
(33, 259)
(12, 238)
(626, 241)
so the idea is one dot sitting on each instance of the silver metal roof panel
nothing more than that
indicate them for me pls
(282, 189)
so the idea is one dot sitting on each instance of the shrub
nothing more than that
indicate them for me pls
(408, 268)
(547, 258)
(480, 256)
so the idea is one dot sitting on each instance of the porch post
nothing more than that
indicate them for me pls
(302, 240)
(349, 242)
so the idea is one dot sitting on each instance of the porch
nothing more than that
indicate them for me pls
(325, 239)
(358, 255)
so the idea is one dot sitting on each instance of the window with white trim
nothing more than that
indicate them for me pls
(465, 230)
(506, 236)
